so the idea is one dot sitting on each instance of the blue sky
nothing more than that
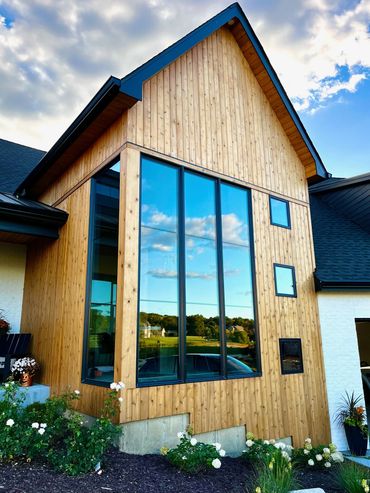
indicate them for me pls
(54, 56)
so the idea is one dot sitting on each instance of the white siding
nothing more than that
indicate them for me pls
(12, 268)
(338, 311)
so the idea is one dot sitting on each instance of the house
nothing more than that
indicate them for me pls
(186, 189)
(340, 209)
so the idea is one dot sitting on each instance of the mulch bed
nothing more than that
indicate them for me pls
(124, 473)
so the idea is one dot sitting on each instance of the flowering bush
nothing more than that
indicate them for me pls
(54, 432)
(262, 450)
(319, 457)
(25, 365)
(193, 456)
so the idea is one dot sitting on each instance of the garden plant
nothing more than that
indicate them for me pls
(54, 432)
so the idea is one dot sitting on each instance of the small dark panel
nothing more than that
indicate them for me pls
(291, 356)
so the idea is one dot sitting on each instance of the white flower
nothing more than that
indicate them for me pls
(327, 464)
(285, 455)
(266, 442)
(216, 463)
(280, 445)
(10, 422)
(183, 457)
(35, 425)
(308, 440)
(337, 457)
(217, 446)
(180, 434)
(113, 386)
(305, 451)
(272, 441)
(311, 462)
(41, 431)
(77, 392)
(120, 399)
(193, 441)
(318, 457)
(249, 443)
(6, 384)
(222, 453)
(43, 425)
(326, 450)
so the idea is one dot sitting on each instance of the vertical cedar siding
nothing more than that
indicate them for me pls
(205, 110)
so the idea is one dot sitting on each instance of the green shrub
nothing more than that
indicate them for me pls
(317, 457)
(352, 478)
(54, 431)
(262, 450)
(193, 456)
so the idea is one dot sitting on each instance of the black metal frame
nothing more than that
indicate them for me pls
(292, 268)
(90, 252)
(182, 292)
(281, 343)
(272, 197)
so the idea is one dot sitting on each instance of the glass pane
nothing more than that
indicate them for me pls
(234, 207)
(279, 212)
(200, 207)
(158, 305)
(284, 280)
(159, 195)
(202, 341)
(102, 313)
(202, 299)
(158, 342)
(238, 284)
(159, 265)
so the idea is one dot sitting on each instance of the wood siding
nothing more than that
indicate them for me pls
(205, 111)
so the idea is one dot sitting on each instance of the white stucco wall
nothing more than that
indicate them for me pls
(338, 311)
(12, 269)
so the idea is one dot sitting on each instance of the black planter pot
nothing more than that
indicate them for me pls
(357, 440)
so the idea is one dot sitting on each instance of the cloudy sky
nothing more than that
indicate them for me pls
(54, 56)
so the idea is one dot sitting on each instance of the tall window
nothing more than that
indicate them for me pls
(196, 301)
(100, 322)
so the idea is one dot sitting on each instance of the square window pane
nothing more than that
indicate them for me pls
(279, 210)
(285, 280)
(291, 356)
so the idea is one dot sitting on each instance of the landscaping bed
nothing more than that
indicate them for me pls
(125, 473)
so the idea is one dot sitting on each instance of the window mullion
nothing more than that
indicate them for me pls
(220, 268)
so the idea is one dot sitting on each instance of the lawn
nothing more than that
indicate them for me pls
(124, 473)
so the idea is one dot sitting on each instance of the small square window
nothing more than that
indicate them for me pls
(291, 356)
(285, 284)
(279, 212)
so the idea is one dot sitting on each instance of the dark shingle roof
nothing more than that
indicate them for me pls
(16, 162)
(342, 247)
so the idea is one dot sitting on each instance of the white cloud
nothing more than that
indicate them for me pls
(55, 55)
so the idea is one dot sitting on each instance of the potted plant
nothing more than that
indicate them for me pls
(4, 324)
(352, 416)
(24, 369)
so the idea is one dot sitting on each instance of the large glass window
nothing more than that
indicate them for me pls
(102, 277)
(196, 301)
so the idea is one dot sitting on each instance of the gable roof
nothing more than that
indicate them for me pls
(16, 162)
(117, 95)
(342, 247)
(349, 196)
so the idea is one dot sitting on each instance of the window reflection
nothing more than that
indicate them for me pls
(201, 277)
(284, 280)
(279, 210)
(103, 284)
(238, 286)
(158, 324)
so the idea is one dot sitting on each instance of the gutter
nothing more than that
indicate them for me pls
(321, 285)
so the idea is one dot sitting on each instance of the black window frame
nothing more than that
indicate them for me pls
(279, 225)
(88, 288)
(182, 273)
(285, 295)
(283, 340)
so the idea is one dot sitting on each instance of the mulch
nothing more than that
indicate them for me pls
(125, 473)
